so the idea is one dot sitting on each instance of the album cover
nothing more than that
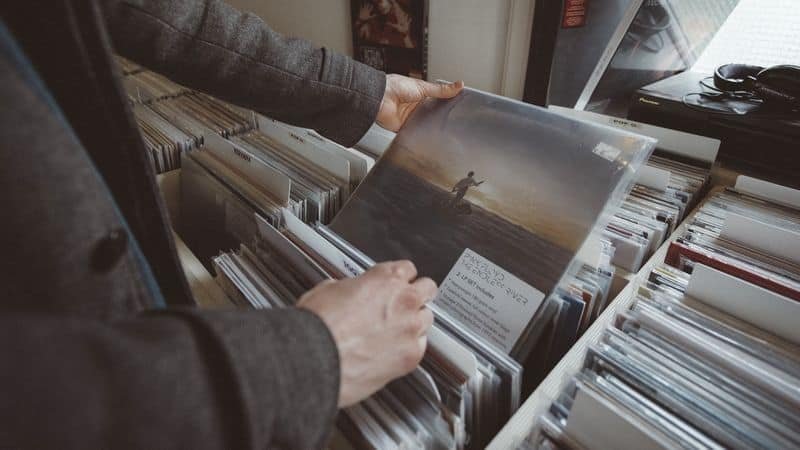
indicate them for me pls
(507, 190)
(391, 35)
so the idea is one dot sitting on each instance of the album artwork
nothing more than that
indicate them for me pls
(514, 183)
(391, 35)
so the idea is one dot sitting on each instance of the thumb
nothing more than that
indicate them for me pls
(442, 90)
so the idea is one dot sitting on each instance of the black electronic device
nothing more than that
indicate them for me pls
(754, 134)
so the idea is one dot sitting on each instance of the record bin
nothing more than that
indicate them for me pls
(515, 432)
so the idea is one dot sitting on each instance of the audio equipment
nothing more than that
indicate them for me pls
(776, 85)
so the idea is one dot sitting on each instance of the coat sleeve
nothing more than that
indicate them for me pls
(210, 46)
(178, 379)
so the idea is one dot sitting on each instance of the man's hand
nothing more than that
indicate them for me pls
(379, 322)
(404, 94)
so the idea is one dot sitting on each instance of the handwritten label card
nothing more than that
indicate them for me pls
(489, 300)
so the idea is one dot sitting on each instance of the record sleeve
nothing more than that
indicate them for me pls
(494, 197)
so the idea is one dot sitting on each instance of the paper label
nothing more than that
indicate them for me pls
(774, 240)
(267, 179)
(597, 423)
(746, 301)
(489, 300)
(606, 151)
(325, 249)
(769, 191)
(654, 177)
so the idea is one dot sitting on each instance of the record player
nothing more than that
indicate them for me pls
(761, 140)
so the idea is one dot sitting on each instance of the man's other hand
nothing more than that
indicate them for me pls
(379, 322)
(404, 94)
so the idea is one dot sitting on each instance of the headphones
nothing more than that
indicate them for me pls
(776, 85)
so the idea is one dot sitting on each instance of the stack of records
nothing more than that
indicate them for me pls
(704, 358)
(222, 184)
(360, 162)
(200, 112)
(173, 119)
(744, 236)
(458, 398)
(172, 126)
(164, 140)
(145, 86)
(276, 166)
(668, 186)
(651, 213)
(489, 317)
(678, 373)
(583, 297)
(316, 184)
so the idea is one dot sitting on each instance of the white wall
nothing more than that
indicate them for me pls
(324, 22)
(483, 42)
(469, 39)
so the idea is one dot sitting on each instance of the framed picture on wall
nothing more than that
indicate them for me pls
(391, 35)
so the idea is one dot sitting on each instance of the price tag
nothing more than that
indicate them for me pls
(488, 300)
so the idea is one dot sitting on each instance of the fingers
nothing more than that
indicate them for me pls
(416, 295)
(325, 282)
(426, 290)
(411, 355)
(441, 90)
(422, 343)
(418, 323)
(404, 270)
(426, 321)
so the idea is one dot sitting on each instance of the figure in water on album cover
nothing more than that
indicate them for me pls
(462, 187)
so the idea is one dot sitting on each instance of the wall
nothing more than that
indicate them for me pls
(483, 42)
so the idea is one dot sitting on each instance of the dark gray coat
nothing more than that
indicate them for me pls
(90, 358)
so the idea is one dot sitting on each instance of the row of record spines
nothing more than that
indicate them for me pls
(128, 68)
(182, 93)
(150, 101)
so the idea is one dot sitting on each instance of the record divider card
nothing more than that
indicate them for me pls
(769, 191)
(746, 301)
(762, 236)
